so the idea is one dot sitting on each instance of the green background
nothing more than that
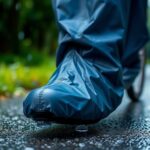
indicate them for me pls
(28, 40)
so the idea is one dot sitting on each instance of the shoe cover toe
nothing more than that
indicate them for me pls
(59, 101)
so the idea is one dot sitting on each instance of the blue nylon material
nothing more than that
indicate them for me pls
(97, 58)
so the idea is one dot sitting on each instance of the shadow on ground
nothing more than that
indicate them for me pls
(128, 127)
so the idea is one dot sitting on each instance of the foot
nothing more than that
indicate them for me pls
(79, 92)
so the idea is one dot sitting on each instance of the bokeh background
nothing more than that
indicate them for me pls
(28, 40)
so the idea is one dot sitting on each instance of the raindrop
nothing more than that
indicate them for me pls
(81, 129)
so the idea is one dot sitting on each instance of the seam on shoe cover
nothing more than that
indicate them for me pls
(41, 97)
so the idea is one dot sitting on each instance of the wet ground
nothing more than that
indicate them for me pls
(126, 128)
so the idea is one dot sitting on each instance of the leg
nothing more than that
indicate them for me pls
(87, 85)
(137, 37)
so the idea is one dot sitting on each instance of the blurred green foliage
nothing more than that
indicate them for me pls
(16, 77)
(26, 25)
(28, 40)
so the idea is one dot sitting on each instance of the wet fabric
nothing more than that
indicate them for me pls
(97, 58)
(136, 37)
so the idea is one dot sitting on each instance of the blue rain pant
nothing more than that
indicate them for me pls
(97, 58)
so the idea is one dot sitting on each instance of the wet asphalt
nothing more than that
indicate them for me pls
(126, 128)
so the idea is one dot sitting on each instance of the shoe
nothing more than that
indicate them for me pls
(81, 91)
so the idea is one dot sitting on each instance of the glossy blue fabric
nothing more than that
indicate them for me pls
(97, 59)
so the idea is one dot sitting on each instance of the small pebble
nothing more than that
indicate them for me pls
(48, 146)
(29, 148)
(62, 144)
(99, 145)
(91, 142)
(81, 145)
(1, 140)
(69, 142)
(15, 118)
